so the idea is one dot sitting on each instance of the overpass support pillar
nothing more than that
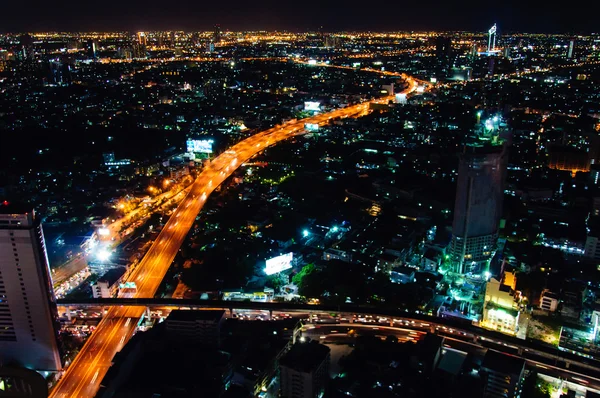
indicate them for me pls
(231, 312)
(520, 351)
(567, 364)
(270, 314)
(68, 313)
(147, 314)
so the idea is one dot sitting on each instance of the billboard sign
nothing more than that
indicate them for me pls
(312, 106)
(200, 146)
(401, 98)
(311, 127)
(279, 263)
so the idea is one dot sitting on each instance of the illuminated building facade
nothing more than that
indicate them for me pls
(28, 314)
(500, 308)
(478, 206)
(568, 159)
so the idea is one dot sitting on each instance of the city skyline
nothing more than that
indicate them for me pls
(427, 202)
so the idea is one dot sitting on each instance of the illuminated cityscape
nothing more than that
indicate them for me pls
(278, 213)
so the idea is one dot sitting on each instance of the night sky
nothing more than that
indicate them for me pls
(575, 16)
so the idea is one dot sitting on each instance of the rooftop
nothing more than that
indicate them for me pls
(112, 275)
(305, 357)
(196, 315)
(502, 363)
(14, 208)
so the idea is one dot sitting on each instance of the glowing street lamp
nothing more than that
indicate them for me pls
(103, 255)
(305, 233)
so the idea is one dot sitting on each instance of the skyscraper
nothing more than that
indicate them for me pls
(28, 315)
(479, 197)
(91, 48)
(571, 48)
(142, 39)
(443, 54)
(217, 34)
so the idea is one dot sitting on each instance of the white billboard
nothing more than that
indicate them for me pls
(311, 127)
(401, 98)
(200, 146)
(279, 263)
(312, 106)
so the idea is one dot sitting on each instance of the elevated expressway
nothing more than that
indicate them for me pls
(458, 335)
(82, 378)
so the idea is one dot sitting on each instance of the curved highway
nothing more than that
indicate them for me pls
(83, 376)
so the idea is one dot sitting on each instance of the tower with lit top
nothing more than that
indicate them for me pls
(479, 197)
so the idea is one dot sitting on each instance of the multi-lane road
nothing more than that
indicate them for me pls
(83, 376)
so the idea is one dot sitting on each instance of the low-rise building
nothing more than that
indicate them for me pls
(108, 284)
(431, 260)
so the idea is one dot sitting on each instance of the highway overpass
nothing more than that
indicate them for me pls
(454, 328)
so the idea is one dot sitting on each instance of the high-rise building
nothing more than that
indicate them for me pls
(571, 48)
(217, 34)
(479, 197)
(443, 54)
(142, 39)
(332, 41)
(28, 315)
(304, 370)
(201, 326)
(91, 48)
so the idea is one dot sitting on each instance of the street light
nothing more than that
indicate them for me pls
(305, 233)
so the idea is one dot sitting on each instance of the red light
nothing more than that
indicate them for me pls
(5, 203)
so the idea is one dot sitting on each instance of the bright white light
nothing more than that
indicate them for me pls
(305, 233)
(302, 339)
(279, 263)
(103, 255)
(312, 106)
(199, 146)
(103, 231)
(487, 275)
(334, 229)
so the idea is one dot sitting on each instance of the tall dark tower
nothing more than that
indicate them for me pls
(443, 55)
(217, 34)
(479, 197)
(91, 48)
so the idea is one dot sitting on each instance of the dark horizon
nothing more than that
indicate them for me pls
(238, 15)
